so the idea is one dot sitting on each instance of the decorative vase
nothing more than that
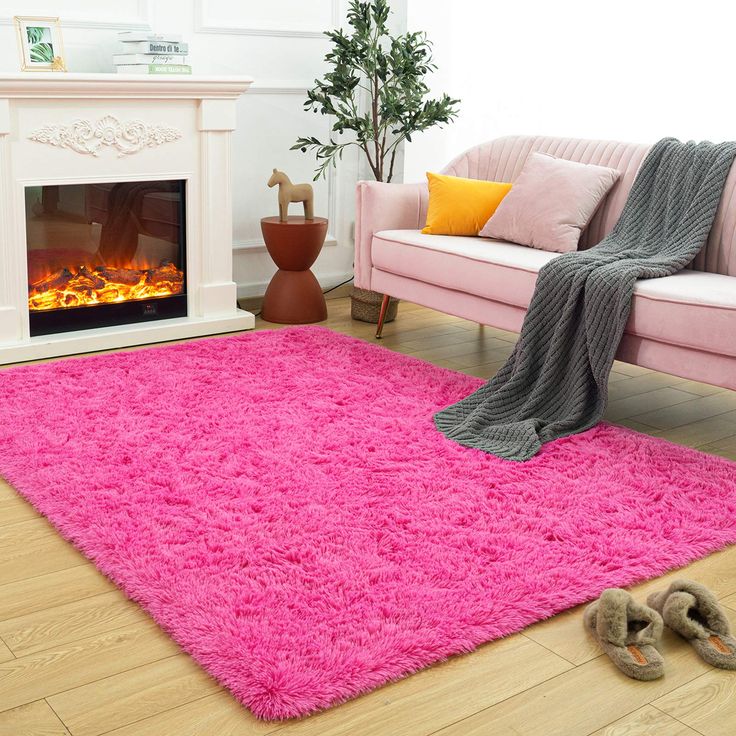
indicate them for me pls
(365, 305)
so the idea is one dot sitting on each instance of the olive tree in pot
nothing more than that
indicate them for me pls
(377, 97)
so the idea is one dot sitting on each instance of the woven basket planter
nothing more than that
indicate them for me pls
(365, 306)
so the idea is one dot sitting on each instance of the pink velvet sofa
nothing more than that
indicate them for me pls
(684, 324)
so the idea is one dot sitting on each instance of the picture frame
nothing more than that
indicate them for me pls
(40, 44)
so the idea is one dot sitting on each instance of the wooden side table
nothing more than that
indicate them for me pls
(294, 295)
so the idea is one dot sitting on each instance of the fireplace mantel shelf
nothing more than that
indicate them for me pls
(63, 85)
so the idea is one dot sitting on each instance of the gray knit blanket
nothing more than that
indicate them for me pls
(555, 383)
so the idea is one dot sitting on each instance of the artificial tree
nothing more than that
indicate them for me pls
(375, 92)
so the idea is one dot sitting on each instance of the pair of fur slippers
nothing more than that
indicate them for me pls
(629, 631)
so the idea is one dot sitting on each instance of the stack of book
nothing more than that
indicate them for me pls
(148, 53)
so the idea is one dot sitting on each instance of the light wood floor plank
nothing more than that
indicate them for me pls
(52, 671)
(703, 407)
(461, 354)
(614, 376)
(34, 547)
(5, 653)
(438, 696)
(475, 357)
(484, 370)
(702, 432)
(694, 387)
(215, 715)
(582, 700)
(33, 719)
(725, 447)
(629, 369)
(6, 491)
(53, 589)
(472, 344)
(53, 627)
(30, 531)
(414, 335)
(707, 704)
(457, 336)
(133, 695)
(636, 426)
(15, 509)
(647, 721)
(635, 385)
(640, 405)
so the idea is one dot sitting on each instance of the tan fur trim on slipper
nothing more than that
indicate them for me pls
(626, 631)
(691, 610)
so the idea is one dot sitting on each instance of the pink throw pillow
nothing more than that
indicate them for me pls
(550, 203)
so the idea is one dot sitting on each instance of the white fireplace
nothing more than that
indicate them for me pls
(115, 211)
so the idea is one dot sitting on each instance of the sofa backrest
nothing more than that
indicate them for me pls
(502, 159)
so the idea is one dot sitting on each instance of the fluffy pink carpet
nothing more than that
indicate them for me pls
(283, 506)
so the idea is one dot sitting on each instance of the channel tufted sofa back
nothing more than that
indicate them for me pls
(502, 159)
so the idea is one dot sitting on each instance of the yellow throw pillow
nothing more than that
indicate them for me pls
(460, 206)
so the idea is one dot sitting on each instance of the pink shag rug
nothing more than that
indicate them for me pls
(282, 504)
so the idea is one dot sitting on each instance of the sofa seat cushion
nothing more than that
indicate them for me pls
(691, 308)
(491, 269)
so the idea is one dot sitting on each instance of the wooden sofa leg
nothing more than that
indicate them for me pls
(382, 315)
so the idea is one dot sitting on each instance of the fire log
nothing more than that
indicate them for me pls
(57, 280)
(87, 281)
(168, 273)
(128, 276)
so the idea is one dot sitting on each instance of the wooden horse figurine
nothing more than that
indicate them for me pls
(289, 192)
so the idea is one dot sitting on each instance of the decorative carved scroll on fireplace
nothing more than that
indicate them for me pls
(90, 137)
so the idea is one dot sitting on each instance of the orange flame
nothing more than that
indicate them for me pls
(103, 285)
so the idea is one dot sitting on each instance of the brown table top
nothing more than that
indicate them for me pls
(295, 220)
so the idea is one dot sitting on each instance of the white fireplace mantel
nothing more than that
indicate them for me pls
(60, 85)
(58, 128)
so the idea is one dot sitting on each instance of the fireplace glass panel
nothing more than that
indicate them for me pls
(105, 254)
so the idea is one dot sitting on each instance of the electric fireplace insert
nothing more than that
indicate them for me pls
(105, 254)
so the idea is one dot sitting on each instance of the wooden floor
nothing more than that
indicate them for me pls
(77, 658)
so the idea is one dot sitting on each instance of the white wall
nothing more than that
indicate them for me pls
(279, 43)
(633, 70)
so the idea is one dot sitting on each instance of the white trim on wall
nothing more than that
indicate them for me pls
(256, 245)
(203, 25)
(280, 88)
(142, 21)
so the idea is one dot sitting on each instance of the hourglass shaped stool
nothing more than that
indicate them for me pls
(294, 295)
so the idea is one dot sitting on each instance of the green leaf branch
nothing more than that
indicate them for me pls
(367, 63)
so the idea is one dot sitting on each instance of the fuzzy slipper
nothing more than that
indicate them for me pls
(627, 631)
(692, 611)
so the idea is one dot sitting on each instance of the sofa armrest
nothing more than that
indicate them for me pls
(379, 207)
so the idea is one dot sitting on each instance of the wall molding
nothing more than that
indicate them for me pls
(280, 88)
(203, 25)
(257, 245)
(141, 23)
